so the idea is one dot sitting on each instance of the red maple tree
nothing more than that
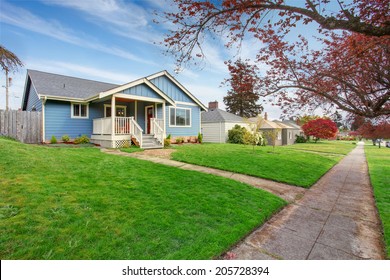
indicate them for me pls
(350, 72)
(320, 129)
(368, 130)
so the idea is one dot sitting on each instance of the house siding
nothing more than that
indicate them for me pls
(141, 90)
(170, 89)
(193, 130)
(33, 100)
(212, 132)
(58, 121)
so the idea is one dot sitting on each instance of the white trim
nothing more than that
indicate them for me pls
(164, 119)
(116, 106)
(120, 88)
(183, 108)
(72, 116)
(146, 117)
(43, 119)
(139, 98)
(159, 74)
(62, 98)
(186, 103)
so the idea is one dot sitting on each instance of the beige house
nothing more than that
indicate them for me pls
(284, 133)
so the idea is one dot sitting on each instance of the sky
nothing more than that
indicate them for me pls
(106, 40)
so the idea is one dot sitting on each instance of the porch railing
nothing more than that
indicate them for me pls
(157, 129)
(102, 126)
(136, 131)
(122, 125)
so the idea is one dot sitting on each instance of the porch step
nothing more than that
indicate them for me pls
(148, 142)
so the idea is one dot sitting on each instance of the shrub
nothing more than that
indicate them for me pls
(200, 138)
(236, 134)
(169, 137)
(65, 138)
(300, 139)
(81, 140)
(248, 138)
(167, 142)
(179, 140)
(53, 140)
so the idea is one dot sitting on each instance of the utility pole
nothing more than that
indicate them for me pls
(6, 91)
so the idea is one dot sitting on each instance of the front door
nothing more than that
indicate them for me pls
(149, 115)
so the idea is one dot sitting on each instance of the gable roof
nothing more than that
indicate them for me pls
(292, 124)
(218, 115)
(267, 124)
(176, 82)
(55, 85)
(61, 87)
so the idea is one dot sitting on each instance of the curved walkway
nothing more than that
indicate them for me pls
(287, 192)
(335, 219)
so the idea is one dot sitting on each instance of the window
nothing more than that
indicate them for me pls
(179, 116)
(79, 110)
(289, 135)
(120, 111)
(279, 135)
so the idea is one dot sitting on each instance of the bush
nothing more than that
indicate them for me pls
(248, 138)
(300, 139)
(236, 134)
(179, 140)
(167, 142)
(81, 140)
(53, 140)
(200, 138)
(65, 138)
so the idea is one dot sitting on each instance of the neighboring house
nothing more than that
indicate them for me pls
(145, 110)
(216, 123)
(284, 133)
(295, 129)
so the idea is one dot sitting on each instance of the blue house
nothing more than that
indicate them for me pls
(143, 111)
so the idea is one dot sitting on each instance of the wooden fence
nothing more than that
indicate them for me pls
(21, 125)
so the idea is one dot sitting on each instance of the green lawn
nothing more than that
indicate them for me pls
(379, 168)
(66, 203)
(298, 164)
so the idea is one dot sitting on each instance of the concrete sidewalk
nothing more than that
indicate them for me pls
(335, 219)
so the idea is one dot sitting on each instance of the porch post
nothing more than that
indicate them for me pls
(164, 119)
(135, 110)
(113, 115)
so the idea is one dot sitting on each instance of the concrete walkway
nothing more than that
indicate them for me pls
(287, 192)
(335, 219)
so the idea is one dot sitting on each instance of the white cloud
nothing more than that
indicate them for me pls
(22, 18)
(122, 18)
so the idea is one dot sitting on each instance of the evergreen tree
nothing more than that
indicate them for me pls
(242, 97)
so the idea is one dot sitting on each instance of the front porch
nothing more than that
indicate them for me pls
(121, 132)
(129, 120)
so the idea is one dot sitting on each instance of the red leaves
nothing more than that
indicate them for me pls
(320, 128)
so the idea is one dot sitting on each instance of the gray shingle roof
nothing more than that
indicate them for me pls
(218, 115)
(292, 124)
(65, 86)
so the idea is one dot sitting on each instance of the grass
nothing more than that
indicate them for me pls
(299, 164)
(379, 168)
(131, 149)
(64, 203)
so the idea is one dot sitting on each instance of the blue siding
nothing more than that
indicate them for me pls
(58, 121)
(159, 111)
(185, 131)
(170, 89)
(33, 100)
(142, 90)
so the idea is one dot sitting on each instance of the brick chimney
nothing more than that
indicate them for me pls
(213, 105)
(265, 116)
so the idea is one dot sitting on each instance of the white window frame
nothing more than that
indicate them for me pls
(116, 106)
(169, 116)
(72, 110)
(279, 135)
